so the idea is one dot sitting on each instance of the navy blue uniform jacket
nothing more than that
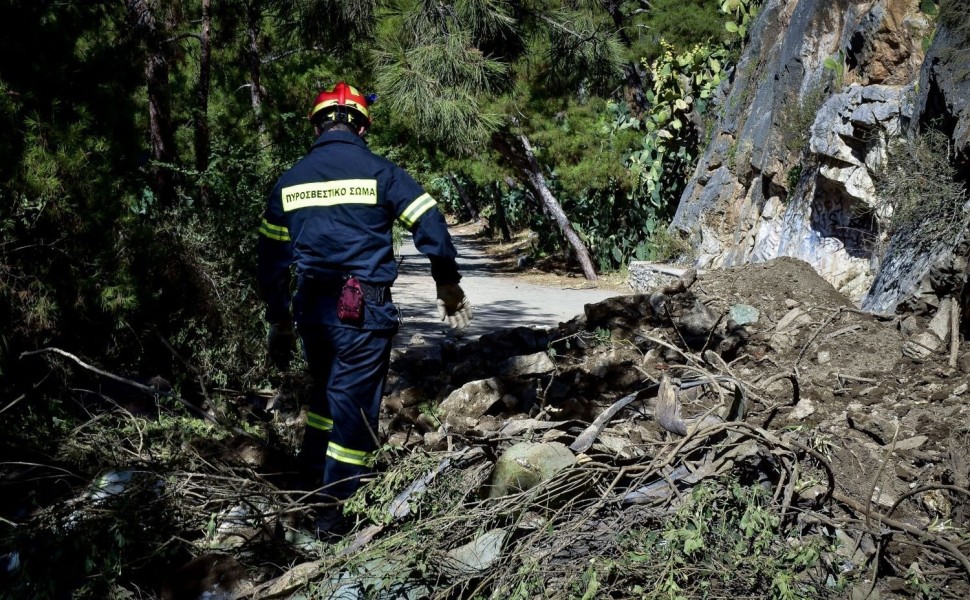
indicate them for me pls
(331, 215)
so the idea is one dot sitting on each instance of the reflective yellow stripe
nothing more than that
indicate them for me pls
(348, 101)
(274, 232)
(346, 455)
(329, 193)
(319, 422)
(417, 208)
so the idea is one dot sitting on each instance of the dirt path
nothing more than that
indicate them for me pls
(500, 299)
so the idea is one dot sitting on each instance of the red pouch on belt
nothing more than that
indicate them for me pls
(350, 307)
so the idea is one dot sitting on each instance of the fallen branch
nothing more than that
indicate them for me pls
(585, 440)
(954, 331)
(843, 331)
(147, 389)
(932, 538)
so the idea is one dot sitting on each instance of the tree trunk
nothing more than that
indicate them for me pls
(145, 26)
(501, 221)
(634, 75)
(202, 109)
(471, 212)
(518, 150)
(257, 94)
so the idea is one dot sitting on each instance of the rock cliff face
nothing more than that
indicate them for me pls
(820, 94)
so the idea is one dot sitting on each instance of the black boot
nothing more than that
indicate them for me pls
(331, 525)
(311, 459)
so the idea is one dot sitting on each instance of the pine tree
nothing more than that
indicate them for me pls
(463, 71)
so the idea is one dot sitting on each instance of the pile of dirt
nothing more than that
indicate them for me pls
(875, 434)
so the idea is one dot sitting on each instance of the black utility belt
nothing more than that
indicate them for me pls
(375, 294)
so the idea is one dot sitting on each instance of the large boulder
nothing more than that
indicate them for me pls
(526, 465)
(465, 407)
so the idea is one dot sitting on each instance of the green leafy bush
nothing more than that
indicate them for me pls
(726, 540)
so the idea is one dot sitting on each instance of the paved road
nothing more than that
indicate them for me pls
(498, 300)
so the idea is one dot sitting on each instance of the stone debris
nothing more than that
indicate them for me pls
(761, 371)
(526, 465)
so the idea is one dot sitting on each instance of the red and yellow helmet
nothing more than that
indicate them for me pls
(341, 97)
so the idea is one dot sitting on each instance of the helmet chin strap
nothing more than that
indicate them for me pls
(340, 117)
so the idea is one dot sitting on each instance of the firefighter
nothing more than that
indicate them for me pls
(331, 216)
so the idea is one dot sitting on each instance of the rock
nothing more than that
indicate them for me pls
(630, 309)
(909, 326)
(651, 358)
(435, 440)
(875, 426)
(743, 314)
(682, 284)
(853, 550)
(463, 408)
(401, 399)
(645, 277)
(912, 443)
(944, 88)
(699, 321)
(425, 354)
(475, 557)
(531, 364)
(804, 409)
(504, 343)
(796, 317)
(526, 465)
(924, 345)
(782, 342)
(940, 324)
(963, 362)
(883, 497)
(209, 576)
(762, 191)
(405, 439)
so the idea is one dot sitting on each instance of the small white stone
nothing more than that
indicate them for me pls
(803, 409)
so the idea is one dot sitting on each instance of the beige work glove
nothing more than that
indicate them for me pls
(453, 306)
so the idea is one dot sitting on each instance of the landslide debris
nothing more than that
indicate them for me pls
(742, 432)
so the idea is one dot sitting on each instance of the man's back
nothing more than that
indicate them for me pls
(336, 205)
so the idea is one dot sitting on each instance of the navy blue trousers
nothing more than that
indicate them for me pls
(349, 367)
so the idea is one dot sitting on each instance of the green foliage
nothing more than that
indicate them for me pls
(86, 543)
(793, 176)
(432, 75)
(726, 540)
(680, 24)
(742, 13)
(81, 549)
(836, 64)
(583, 49)
(682, 84)
(682, 87)
(399, 470)
(796, 124)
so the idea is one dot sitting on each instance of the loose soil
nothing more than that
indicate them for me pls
(762, 373)
(893, 429)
